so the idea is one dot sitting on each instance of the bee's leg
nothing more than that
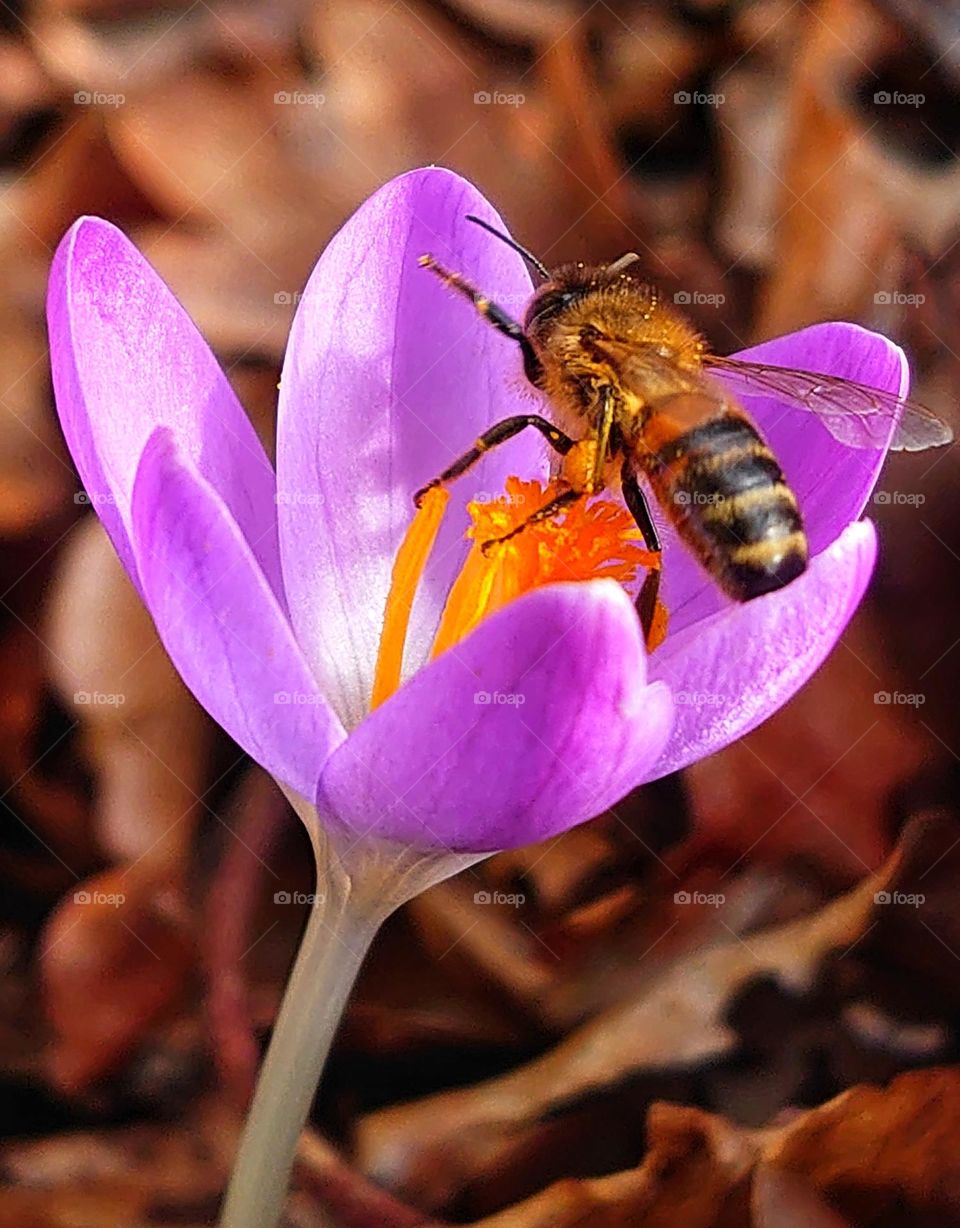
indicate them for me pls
(636, 502)
(502, 322)
(556, 504)
(604, 431)
(499, 433)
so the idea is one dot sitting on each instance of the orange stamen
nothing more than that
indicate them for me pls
(407, 569)
(591, 539)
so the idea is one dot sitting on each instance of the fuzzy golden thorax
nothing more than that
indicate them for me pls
(589, 329)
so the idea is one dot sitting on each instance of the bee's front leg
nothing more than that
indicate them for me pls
(499, 433)
(491, 312)
(577, 473)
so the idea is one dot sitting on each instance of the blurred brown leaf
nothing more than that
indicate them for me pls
(873, 1156)
(429, 1150)
(116, 957)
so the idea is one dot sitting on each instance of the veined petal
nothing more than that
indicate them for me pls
(831, 480)
(538, 720)
(220, 621)
(388, 377)
(126, 359)
(731, 671)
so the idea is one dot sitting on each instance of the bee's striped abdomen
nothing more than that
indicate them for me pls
(726, 493)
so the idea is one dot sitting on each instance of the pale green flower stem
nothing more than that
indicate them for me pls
(359, 885)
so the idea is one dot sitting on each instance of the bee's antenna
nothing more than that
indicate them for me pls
(530, 258)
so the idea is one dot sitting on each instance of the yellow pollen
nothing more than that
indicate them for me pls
(589, 540)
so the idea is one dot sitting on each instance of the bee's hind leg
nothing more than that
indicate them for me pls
(636, 501)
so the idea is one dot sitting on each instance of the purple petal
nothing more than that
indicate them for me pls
(733, 670)
(540, 719)
(126, 358)
(831, 480)
(220, 621)
(388, 377)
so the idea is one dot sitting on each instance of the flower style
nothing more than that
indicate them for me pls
(269, 587)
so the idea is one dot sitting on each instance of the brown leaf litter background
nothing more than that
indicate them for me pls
(601, 1054)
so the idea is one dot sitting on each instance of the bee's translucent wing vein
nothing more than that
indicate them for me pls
(856, 414)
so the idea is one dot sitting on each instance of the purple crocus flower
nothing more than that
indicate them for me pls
(268, 587)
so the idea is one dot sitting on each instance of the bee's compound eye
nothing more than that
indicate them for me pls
(550, 305)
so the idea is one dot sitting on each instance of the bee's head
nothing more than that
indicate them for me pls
(563, 287)
(566, 286)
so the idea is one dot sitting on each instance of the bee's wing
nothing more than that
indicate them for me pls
(856, 414)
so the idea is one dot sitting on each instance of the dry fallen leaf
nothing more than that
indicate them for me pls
(429, 1150)
(873, 1156)
(116, 956)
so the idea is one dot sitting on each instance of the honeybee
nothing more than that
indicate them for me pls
(631, 386)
